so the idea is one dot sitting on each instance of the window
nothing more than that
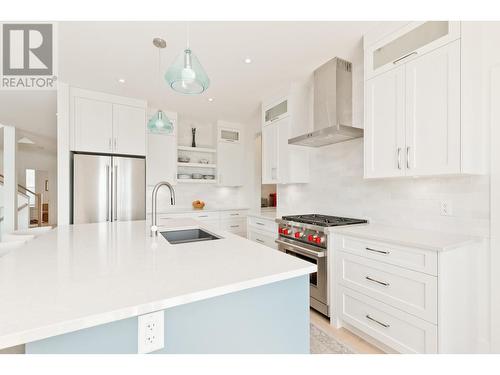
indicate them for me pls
(31, 185)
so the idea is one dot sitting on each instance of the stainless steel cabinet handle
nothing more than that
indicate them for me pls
(376, 281)
(385, 325)
(404, 57)
(408, 157)
(114, 143)
(378, 251)
(234, 214)
(259, 240)
(109, 143)
(234, 226)
(399, 157)
(258, 223)
(203, 216)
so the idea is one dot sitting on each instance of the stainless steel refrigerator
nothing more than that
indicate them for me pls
(108, 188)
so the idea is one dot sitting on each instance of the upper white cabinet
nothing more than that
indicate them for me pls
(384, 134)
(93, 130)
(416, 120)
(433, 112)
(230, 155)
(105, 123)
(129, 130)
(407, 43)
(285, 117)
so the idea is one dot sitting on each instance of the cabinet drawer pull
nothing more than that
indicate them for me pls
(234, 214)
(399, 157)
(259, 240)
(378, 251)
(234, 226)
(385, 325)
(259, 223)
(404, 57)
(202, 215)
(376, 281)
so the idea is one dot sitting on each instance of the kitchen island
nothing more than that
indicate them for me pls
(81, 288)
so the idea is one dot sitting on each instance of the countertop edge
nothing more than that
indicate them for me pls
(460, 243)
(41, 333)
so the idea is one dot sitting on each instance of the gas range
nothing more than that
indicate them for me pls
(310, 229)
(304, 237)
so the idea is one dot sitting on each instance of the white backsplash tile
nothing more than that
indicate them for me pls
(337, 187)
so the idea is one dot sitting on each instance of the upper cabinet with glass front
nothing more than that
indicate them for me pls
(408, 42)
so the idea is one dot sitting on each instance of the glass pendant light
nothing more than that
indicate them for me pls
(186, 75)
(160, 123)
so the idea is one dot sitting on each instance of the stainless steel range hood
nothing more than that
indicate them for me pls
(332, 106)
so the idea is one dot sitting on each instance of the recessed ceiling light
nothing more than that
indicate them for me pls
(248, 60)
(210, 99)
(121, 80)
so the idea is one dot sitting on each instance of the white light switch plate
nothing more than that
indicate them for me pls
(151, 332)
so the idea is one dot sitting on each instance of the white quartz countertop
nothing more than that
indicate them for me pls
(431, 240)
(80, 276)
(266, 213)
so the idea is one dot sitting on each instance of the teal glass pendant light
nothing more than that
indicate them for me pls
(186, 75)
(160, 124)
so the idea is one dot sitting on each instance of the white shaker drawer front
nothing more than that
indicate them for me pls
(396, 329)
(409, 257)
(263, 224)
(233, 214)
(234, 225)
(410, 291)
(194, 215)
(263, 238)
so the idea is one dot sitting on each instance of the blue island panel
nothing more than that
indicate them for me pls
(273, 318)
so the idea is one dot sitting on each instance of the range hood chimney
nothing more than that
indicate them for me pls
(332, 106)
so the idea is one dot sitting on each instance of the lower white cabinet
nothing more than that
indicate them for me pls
(262, 230)
(408, 299)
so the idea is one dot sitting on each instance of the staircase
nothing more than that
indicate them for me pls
(25, 218)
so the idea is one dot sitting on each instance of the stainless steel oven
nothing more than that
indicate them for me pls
(317, 280)
(306, 237)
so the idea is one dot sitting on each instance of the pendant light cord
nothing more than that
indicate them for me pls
(187, 33)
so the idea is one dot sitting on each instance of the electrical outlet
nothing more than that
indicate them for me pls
(446, 208)
(151, 333)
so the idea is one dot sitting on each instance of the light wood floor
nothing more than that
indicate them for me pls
(355, 342)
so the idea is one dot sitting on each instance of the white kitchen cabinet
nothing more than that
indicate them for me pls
(407, 42)
(93, 125)
(282, 163)
(230, 156)
(129, 130)
(263, 230)
(415, 121)
(104, 123)
(433, 112)
(270, 154)
(405, 291)
(384, 125)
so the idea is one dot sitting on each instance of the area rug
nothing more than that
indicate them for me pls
(323, 343)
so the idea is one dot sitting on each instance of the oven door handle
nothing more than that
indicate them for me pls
(303, 251)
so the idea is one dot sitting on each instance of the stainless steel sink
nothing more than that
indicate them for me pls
(188, 235)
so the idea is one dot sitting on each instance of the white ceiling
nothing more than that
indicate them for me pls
(95, 55)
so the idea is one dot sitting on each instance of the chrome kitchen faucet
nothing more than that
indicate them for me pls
(154, 218)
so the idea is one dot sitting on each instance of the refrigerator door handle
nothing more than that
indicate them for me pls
(116, 194)
(108, 192)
